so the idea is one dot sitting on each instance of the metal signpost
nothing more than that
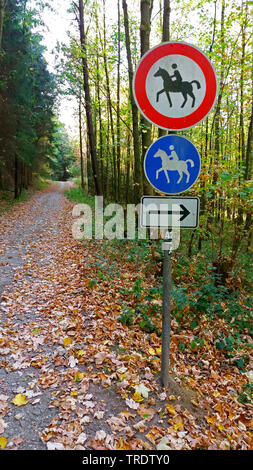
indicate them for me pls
(175, 88)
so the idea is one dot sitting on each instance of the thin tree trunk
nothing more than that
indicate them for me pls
(128, 163)
(16, 186)
(81, 143)
(165, 38)
(146, 11)
(249, 150)
(241, 119)
(166, 21)
(98, 99)
(118, 109)
(108, 91)
(135, 120)
(88, 107)
(2, 11)
(249, 172)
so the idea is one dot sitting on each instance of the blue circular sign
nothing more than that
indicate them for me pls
(172, 164)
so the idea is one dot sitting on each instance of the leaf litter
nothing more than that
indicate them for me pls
(59, 331)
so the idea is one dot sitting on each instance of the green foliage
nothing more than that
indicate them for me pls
(247, 395)
(76, 194)
(61, 156)
(127, 315)
(27, 95)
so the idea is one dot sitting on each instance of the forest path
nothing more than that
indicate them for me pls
(20, 235)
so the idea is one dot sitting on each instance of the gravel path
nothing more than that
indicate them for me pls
(25, 238)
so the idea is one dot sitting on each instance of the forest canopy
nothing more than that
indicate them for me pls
(27, 101)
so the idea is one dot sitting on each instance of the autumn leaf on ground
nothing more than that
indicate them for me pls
(142, 390)
(67, 341)
(145, 412)
(3, 442)
(132, 404)
(163, 444)
(171, 409)
(152, 352)
(137, 397)
(20, 400)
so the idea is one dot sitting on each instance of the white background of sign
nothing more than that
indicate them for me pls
(189, 71)
(149, 203)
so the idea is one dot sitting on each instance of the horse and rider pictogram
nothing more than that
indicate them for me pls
(174, 83)
(172, 164)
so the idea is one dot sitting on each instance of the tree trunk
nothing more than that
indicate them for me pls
(81, 143)
(98, 100)
(135, 120)
(118, 110)
(2, 11)
(108, 92)
(249, 150)
(128, 163)
(165, 38)
(16, 186)
(146, 127)
(241, 119)
(166, 21)
(88, 107)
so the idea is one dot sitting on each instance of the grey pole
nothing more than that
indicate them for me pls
(167, 247)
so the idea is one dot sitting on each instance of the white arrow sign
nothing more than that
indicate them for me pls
(164, 212)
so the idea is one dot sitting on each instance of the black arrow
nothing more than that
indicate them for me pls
(183, 212)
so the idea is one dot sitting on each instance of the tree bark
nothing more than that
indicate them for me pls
(146, 127)
(16, 185)
(165, 38)
(88, 107)
(118, 110)
(2, 11)
(108, 92)
(81, 143)
(135, 120)
(166, 21)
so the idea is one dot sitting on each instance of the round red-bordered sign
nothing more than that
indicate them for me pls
(175, 86)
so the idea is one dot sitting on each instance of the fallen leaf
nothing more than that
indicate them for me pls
(140, 426)
(137, 397)
(142, 390)
(171, 409)
(81, 438)
(20, 400)
(3, 442)
(79, 376)
(67, 341)
(100, 435)
(145, 412)
(152, 352)
(163, 444)
(3, 425)
(55, 446)
(132, 404)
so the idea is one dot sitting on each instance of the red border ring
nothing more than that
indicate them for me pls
(139, 89)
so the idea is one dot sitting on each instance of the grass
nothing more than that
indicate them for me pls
(41, 183)
(77, 195)
(7, 200)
